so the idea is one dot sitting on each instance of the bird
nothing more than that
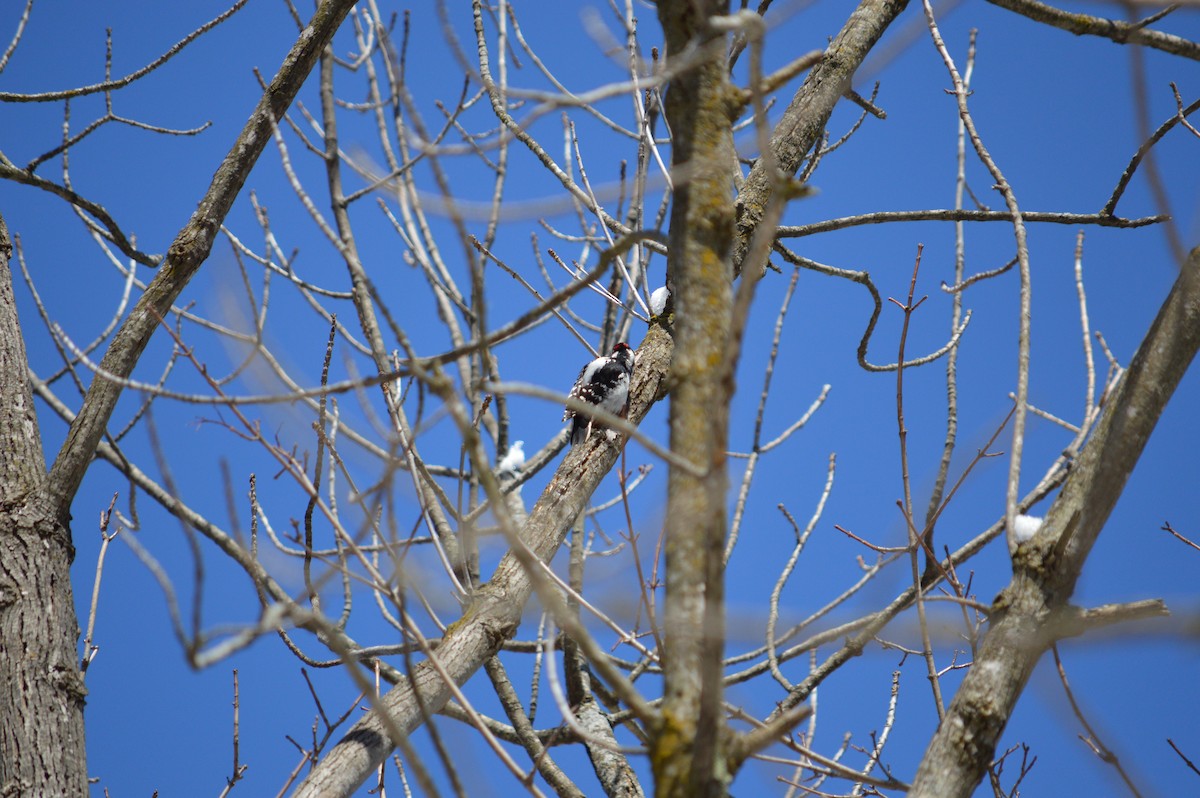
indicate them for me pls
(604, 383)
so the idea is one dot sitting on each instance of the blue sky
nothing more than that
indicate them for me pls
(1056, 113)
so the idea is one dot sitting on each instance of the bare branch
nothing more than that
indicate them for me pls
(109, 85)
(1117, 30)
(1102, 219)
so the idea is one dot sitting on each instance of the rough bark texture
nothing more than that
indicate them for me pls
(687, 751)
(41, 689)
(804, 120)
(496, 608)
(1032, 612)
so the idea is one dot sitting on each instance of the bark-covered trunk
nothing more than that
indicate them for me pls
(41, 688)
(687, 752)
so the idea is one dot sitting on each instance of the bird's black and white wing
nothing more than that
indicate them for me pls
(604, 383)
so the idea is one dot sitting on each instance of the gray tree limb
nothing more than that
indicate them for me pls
(804, 120)
(1033, 611)
(1118, 30)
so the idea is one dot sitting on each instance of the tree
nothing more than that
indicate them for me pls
(376, 405)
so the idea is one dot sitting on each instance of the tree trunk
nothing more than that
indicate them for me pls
(41, 687)
(687, 751)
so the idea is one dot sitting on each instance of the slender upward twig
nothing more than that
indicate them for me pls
(1024, 312)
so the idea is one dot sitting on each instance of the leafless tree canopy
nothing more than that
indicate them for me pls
(379, 303)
